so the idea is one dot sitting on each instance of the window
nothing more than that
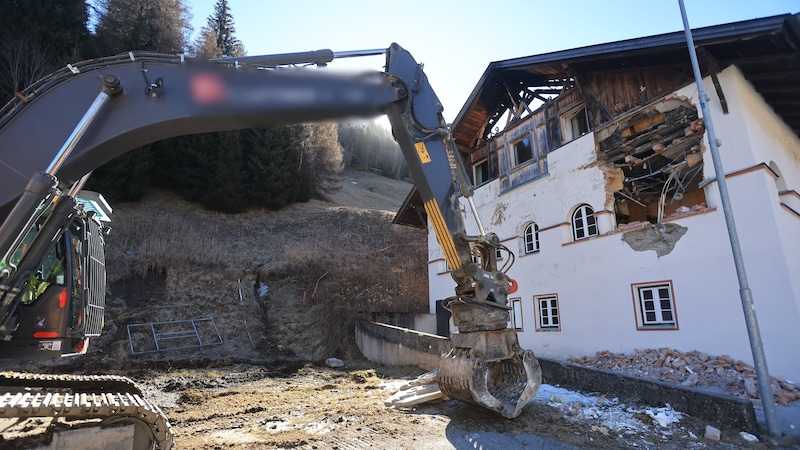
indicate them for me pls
(523, 151)
(575, 124)
(547, 307)
(516, 313)
(52, 270)
(481, 172)
(530, 238)
(476, 259)
(655, 306)
(498, 253)
(584, 224)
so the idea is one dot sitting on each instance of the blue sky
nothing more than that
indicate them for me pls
(456, 40)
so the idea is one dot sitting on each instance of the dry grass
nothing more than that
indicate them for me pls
(325, 266)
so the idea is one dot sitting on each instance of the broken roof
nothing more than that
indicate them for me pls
(767, 51)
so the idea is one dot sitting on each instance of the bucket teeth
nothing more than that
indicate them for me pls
(487, 368)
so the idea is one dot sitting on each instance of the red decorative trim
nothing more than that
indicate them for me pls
(786, 207)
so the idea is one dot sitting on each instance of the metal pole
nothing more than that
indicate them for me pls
(756, 345)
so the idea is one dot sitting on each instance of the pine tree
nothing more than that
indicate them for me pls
(322, 155)
(36, 37)
(125, 178)
(272, 168)
(185, 164)
(131, 25)
(152, 25)
(218, 37)
(226, 189)
(370, 146)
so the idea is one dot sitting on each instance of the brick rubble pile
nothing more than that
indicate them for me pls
(693, 369)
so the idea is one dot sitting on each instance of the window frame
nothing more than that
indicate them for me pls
(586, 227)
(531, 154)
(541, 316)
(568, 131)
(658, 322)
(484, 163)
(534, 242)
(516, 306)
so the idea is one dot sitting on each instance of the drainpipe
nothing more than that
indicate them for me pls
(756, 345)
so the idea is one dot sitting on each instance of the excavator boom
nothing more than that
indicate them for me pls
(97, 110)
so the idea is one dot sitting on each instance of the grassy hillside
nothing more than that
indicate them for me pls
(324, 264)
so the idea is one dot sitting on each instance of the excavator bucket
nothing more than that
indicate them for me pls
(486, 366)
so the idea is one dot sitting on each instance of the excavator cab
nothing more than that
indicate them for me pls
(60, 304)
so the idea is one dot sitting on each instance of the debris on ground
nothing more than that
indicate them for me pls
(334, 362)
(712, 433)
(748, 437)
(692, 369)
(609, 415)
(605, 415)
(417, 391)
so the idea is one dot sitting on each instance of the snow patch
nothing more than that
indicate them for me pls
(610, 414)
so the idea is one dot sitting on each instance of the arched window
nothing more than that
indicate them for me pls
(584, 224)
(530, 238)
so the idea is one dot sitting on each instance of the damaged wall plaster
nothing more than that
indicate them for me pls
(499, 215)
(660, 238)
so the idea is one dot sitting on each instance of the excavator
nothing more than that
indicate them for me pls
(52, 266)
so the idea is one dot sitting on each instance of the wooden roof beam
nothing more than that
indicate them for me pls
(708, 60)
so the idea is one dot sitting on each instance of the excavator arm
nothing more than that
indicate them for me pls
(56, 132)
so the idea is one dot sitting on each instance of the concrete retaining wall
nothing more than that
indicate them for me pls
(727, 410)
(423, 322)
(392, 345)
(396, 346)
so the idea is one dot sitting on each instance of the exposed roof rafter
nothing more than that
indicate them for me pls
(766, 50)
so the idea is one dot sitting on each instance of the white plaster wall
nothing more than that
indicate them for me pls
(593, 277)
(752, 134)
(773, 142)
(548, 201)
(769, 137)
(441, 284)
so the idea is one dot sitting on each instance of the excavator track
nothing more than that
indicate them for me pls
(78, 383)
(112, 399)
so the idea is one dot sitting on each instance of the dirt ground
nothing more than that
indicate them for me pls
(310, 406)
(295, 404)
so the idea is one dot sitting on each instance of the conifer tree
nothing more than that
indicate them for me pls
(226, 188)
(133, 25)
(218, 37)
(272, 169)
(36, 37)
(322, 155)
(124, 179)
(184, 164)
(153, 25)
(211, 165)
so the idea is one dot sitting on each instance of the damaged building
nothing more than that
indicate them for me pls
(592, 166)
